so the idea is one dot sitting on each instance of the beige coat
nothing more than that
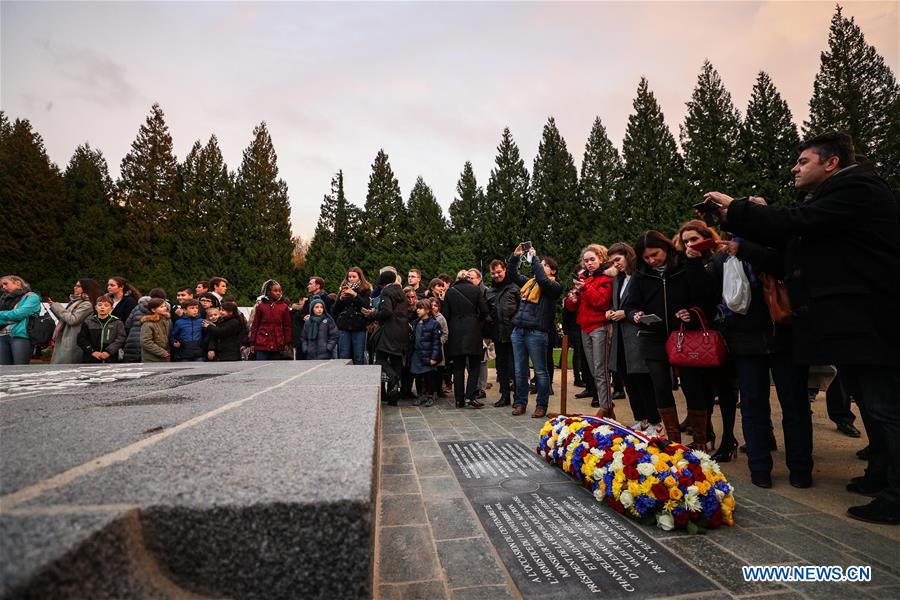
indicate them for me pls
(65, 338)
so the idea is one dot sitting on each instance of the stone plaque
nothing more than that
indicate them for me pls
(555, 539)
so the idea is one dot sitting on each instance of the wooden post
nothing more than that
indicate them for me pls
(563, 377)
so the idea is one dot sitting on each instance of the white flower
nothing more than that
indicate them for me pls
(605, 429)
(618, 455)
(640, 446)
(577, 439)
(665, 521)
(692, 503)
(598, 495)
(693, 490)
(701, 455)
(627, 499)
(719, 494)
(616, 465)
(654, 458)
(646, 469)
(596, 453)
(681, 464)
(600, 473)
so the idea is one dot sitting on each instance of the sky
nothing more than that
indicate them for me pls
(431, 83)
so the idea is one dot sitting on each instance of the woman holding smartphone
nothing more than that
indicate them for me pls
(665, 287)
(354, 296)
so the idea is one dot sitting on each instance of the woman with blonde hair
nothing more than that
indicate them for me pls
(354, 296)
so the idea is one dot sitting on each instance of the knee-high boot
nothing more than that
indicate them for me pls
(698, 419)
(669, 418)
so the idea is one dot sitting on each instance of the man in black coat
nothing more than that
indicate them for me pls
(465, 310)
(842, 264)
(503, 302)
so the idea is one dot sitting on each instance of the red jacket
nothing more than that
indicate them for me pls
(271, 329)
(591, 304)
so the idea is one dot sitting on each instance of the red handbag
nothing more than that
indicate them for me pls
(704, 348)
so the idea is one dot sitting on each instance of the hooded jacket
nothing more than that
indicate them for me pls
(320, 347)
(538, 316)
(592, 302)
(271, 328)
(224, 338)
(155, 331)
(189, 332)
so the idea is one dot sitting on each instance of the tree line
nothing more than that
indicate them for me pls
(165, 222)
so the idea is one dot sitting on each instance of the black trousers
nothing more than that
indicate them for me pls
(506, 369)
(391, 370)
(694, 384)
(639, 388)
(838, 401)
(756, 412)
(876, 390)
(465, 388)
(724, 382)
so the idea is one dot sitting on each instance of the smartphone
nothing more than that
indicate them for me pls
(648, 319)
(704, 245)
(525, 246)
(707, 206)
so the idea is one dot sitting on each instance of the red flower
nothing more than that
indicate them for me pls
(631, 473)
(685, 481)
(681, 519)
(660, 491)
(615, 505)
(715, 521)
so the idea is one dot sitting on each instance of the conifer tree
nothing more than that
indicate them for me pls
(147, 191)
(333, 249)
(94, 230)
(507, 218)
(266, 216)
(468, 220)
(601, 175)
(426, 231)
(554, 199)
(710, 136)
(856, 92)
(383, 216)
(654, 187)
(769, 143)
(33, 198)
(201, 235)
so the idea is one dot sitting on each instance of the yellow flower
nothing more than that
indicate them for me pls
(670, 481)
(645, 487)
(662, 466)
(703, 486)
(635, 488)
(616, 487)
(728, 519)
(675, 493)
(670, 505)
(652, 450)
(728, 501)
(619, 476)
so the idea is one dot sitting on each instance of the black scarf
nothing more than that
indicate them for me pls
(9, 300)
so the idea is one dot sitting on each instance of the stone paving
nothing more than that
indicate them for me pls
(432, 545)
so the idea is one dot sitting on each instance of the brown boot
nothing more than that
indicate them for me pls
(670, 421)
(698, 425)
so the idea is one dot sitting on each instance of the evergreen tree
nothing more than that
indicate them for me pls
(468, 222)
(769, 144)
(266, 217)
(383, 217)
(710, 136)
(654, 187)
(147, 188)
(554, 199)
(601, 175)
(856, 92)
(333, 249)
(507, 218)
(425, 232)
(201, 234)
(94, 230)
(33, 198)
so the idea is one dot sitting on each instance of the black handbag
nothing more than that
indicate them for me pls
(40, 328)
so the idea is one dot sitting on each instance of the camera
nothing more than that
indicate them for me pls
(525, 246)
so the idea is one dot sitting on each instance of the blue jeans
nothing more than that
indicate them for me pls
(531, 344)
(15, 350)
(268, 355)
(352, 344)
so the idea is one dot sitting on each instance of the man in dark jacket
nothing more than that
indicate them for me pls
(533, 324)
(465, 310)
(503, 302)
(392, 336)
(842, 264)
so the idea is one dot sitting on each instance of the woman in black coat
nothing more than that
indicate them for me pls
(354, 296)
(392, 336)
(226, 334)
(465, 310)
(668, 284)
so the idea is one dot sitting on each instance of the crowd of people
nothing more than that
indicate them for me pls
(819, 288)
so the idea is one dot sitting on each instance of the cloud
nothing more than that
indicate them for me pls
(92, 76)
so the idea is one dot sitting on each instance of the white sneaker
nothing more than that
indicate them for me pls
(637, 426)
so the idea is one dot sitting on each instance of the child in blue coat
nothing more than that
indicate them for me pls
(426, 353)
(320, 334)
